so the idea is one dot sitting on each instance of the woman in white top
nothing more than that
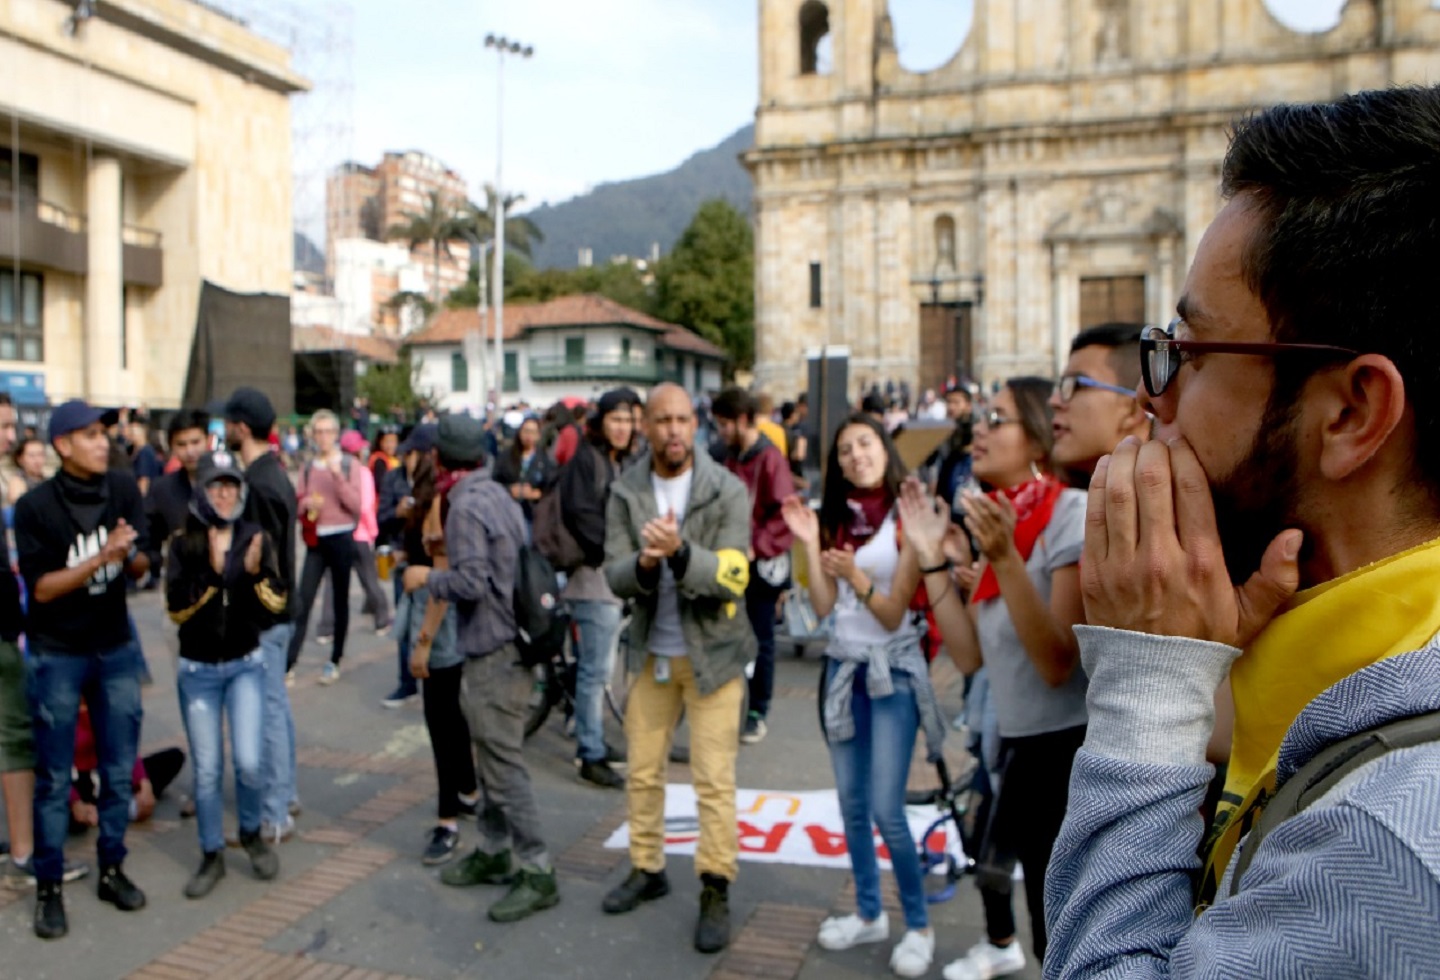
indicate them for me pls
(1019, 623)
(877, 692)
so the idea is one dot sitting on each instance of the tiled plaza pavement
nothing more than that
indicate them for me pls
(353, 902)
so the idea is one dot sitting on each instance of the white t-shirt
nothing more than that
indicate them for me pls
(667, 639)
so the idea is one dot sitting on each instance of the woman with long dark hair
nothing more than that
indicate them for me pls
(877, 689)
(1019, 624)
(435, 660)
(526, 469)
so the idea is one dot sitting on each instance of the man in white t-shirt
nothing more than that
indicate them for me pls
(677, 531)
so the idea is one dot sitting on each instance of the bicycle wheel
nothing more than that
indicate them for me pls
(617, 687)
(542, 695)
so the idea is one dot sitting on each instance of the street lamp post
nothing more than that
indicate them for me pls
(502, 46)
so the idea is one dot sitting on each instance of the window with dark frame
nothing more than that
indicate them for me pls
(574, 350)
(815, 294)
(459, 372)
(22, 316)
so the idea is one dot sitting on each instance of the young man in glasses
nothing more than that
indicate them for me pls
(1094, 404)
(1308, 473)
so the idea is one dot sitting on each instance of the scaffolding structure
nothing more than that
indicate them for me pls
(320, 35)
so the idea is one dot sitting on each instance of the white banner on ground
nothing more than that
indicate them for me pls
(783, 827)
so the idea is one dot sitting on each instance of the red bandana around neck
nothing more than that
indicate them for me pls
(868, 509)
(1034, 502)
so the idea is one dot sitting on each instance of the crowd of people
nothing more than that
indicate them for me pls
(1093, 552)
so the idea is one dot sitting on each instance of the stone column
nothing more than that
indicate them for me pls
(104, 283)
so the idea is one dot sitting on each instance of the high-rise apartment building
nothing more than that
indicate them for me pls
(367, 202)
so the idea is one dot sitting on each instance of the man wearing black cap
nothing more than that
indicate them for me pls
(484, 532)
(271, 503)
(78, 534)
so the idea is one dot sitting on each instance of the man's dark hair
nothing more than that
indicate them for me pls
(5, 399)
(1346, 194)
(1123, 340)
(734, 402)
(187, 418)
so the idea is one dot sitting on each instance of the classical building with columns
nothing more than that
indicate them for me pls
(144, 148)
(1056, 173)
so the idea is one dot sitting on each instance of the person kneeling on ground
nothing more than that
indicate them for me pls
(223, 588)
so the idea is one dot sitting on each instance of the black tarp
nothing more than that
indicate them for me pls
(324, 379)
(241, 339)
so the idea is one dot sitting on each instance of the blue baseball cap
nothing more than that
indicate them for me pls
(76, 414)
(420, 440)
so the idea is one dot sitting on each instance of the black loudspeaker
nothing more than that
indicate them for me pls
(829, 398)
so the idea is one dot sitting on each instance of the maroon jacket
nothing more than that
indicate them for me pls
(766, 475)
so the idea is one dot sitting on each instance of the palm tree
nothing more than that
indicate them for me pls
(520, 232)
(437, 225)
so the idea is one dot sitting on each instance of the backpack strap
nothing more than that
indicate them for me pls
(1322, 773)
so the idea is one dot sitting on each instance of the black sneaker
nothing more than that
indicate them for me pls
(116, 888)
(600, 774)
(263, 859)
(50, 922)
(712, 929)
(203, 882)
(443, 842)
(639, 886)
(754, 730)
(468, 811)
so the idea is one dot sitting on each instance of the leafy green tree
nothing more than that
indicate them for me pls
(392, 386)
(440, 223)
(521, 234)
(707, 282)
(524, 283)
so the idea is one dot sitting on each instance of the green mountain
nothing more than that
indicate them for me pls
(625, 217)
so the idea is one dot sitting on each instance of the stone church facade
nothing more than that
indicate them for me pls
(1057, 172)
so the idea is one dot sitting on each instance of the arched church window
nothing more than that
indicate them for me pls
(814, 38)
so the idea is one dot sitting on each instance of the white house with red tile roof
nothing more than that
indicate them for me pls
(572, 345)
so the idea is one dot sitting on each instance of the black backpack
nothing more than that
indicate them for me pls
(540, 616)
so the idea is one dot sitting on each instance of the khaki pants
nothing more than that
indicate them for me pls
(651, 714)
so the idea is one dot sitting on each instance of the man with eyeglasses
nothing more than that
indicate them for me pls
(1094, 404)
(1289, 507)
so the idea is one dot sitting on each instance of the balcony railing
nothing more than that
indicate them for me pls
(52, 237)
(600, 368)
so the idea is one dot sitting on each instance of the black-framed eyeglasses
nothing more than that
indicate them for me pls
(1071, 383)
(1161, 354)
(993, 419)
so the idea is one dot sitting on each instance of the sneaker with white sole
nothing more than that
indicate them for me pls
(984, 961)
(913, 954)
(329, 674)
(847, 931)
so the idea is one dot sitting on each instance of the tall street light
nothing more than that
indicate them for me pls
(502, 46)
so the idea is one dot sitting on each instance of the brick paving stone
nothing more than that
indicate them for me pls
(168, 971)
(772, 943)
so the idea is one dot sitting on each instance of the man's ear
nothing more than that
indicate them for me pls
(1135, 422)
(1359, 407)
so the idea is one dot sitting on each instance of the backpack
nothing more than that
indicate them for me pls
(547, 521)
(540, 617)
(1324, 772)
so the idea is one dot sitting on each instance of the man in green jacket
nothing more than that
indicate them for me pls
(677, 532)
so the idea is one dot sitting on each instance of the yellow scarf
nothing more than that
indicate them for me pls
(1327, 633)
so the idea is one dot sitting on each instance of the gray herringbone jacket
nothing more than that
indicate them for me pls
(1349, 887)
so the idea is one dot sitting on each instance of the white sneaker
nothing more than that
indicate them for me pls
(913, 953)
(329, 674)
(984, 961)
(845, 931)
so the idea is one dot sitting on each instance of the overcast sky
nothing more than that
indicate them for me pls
(616, 88)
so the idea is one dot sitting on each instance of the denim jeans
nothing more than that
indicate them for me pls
(406, 611)
(209, 694)
(870, 774)
(598, 623)
(277, 762)
(109, 682)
